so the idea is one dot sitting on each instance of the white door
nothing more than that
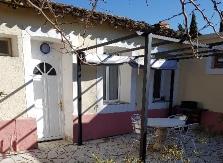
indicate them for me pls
(48, 104)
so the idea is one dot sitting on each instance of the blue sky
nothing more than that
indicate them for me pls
(152, 13)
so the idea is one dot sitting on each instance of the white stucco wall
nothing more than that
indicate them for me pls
(12, 80)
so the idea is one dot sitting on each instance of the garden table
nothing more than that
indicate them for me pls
(161, 125)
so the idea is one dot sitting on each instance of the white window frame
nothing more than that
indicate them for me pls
(209, 67)
(9, 41)
(107, 100)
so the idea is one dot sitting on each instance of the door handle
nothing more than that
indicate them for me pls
(61, 105)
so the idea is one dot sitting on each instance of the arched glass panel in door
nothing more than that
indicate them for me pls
(44, 68)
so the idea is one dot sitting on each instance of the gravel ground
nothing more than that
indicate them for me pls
(120, 149)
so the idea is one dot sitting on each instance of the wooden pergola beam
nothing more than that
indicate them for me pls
(127, 50)
(192, 56)
(164, 53)
(138, 48)
(215, 44)
(166, 41)
(180, 42)
(162, 43)
(184, 54)
(134, 35)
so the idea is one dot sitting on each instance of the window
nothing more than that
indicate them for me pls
(218, 61)
(5, 47)
(110, 83)
(161, 85)
(44, 67)
(214, 65)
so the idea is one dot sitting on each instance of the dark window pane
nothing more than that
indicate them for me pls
(41, 67)
(40, 70)
(4, 47)
(47, 67)
(104, 83)
(36, 71)
(157, 84)
(52, 72)
(113, 82)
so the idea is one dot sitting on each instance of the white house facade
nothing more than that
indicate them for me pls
(39, 89)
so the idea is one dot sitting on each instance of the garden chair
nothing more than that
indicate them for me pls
(183, 135)
(175, 133)
(136, 121)
(188, 135)
(136, 124)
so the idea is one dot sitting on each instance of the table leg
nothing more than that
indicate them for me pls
(160, 138)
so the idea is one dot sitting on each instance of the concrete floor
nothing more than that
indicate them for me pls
(120, 149)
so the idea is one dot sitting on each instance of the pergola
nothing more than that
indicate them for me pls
(182, 50)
